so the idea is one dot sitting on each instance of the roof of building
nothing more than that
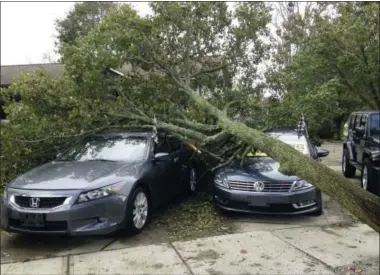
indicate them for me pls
(9, 72)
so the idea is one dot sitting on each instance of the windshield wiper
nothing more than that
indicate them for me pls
(108, 160)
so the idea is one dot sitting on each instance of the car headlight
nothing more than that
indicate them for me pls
(100, 192)
(222, 181)
(300, 185)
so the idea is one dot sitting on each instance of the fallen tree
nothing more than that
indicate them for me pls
(180, 72)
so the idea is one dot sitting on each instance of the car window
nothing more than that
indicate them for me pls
(112, 148)
(357, 121)
(162, 146)
(299, 143)
(363, 120)
(352, 121)
(375, 125)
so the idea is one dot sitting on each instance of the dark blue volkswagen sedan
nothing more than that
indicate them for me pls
(258, 187)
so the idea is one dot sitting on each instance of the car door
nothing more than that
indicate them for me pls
(361, 138)
(354, 137)
(178, 165)
(161, 175)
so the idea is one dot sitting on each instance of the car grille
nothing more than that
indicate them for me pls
(45, 202)
(268, 187)
(48, 226)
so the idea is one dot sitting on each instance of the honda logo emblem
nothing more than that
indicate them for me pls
(34, 202)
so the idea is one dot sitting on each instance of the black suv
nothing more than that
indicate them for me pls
(361, 150)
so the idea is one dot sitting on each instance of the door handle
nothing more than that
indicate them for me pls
(176, 159)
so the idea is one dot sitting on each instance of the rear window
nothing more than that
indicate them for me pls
(300, 144)
(375, 125)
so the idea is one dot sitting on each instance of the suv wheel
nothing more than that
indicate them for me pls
(364, 177)
(367, 178)
(347, 169)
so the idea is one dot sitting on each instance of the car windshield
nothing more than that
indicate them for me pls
(99, 148)
(299, 144)
(375, 125)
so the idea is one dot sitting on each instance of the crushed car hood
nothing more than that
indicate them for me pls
(257, 168)
(74, 174)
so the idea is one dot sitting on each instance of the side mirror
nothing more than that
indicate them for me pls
(161, 157)
(322, 152)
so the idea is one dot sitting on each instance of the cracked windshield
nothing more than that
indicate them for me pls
(190, 138)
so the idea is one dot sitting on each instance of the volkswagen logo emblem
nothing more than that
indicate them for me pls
(258, 186)
(34, 202)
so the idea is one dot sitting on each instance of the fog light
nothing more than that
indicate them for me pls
(303, 204)
(221, 200)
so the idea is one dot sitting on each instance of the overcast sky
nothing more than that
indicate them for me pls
(27, 29)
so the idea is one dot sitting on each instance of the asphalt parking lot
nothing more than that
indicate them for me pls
(15, 247)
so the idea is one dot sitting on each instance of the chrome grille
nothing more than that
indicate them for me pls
(45, 202)
(268, 187)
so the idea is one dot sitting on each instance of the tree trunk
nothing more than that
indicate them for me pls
(359, 202)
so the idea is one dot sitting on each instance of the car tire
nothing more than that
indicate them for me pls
(193, 180)
(347, 169)
(137, 212)
(367, 181)
(318, 212)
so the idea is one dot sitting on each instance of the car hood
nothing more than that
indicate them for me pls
(77, 175)
(376, 139)
(257, 168)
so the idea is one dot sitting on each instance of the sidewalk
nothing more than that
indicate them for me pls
(311, 250)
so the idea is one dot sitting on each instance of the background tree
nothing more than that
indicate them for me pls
(81, 20)
(326, 62)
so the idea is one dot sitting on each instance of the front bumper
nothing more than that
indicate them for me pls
(98, 217)
(268, 203)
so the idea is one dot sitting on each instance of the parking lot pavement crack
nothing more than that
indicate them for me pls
(306, 253)
(182, 259)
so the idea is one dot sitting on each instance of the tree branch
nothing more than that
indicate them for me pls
(163, 125)
(211, 70)
(229, 161)
(82, 134)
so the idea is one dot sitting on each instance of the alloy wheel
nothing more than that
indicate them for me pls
(344, 164)
(140, 210)
(193, 180)
(365, 178)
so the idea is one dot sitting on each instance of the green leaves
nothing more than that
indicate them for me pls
(80, 21)
(329, 74)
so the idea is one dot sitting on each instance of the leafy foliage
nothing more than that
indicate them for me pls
(80, 21)
(333, 68)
